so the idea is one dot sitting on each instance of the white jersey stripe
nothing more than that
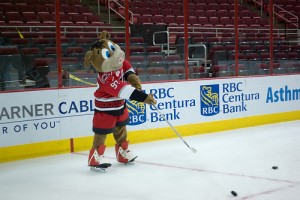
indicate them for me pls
(108, 99)
(126, 92)
(108, 109)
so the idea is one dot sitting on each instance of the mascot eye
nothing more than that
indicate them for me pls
(111, 46)
(105, 54)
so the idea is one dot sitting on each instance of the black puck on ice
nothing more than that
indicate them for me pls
(274, 167)
(233, 193)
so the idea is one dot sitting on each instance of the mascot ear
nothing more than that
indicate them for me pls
(104, 35)
(89, 56)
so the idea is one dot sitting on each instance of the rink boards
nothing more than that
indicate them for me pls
(46, 122)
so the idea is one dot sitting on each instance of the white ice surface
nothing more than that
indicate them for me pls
(239, 160)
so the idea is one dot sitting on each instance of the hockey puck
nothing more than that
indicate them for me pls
(233, 193)
(274, 167)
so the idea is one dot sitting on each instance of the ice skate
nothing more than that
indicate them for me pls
(123, 154)
(96, 160)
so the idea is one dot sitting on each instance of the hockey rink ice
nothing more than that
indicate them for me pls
(239, 160)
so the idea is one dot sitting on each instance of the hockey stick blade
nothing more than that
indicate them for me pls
(172, 127)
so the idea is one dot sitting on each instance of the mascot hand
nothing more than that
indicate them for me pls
(150, 100)
(134, 81)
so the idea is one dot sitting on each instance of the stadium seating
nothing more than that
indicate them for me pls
(215, 18)
(157, 74)
(176, 72)
(138, 61)
(29, 54)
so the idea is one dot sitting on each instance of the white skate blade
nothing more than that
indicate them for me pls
(100, 168)
(132, 160)
(97, 169)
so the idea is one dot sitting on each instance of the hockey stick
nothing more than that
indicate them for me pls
(172, 127)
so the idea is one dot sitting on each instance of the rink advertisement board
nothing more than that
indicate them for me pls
(37, 116)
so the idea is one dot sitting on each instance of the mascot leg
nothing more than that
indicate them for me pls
(96, 153)
(123, 154)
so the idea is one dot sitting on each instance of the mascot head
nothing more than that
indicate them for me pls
(105, 55)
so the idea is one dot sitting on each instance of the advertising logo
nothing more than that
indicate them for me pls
(137, 112)
(209, 100)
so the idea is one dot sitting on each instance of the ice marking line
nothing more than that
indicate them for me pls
(204, 170)
(269, 191)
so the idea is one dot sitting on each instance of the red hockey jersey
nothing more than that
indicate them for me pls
(112, 89)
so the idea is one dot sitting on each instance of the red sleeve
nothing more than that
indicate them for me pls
(126, 66)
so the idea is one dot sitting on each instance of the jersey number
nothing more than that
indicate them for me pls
(114, 84)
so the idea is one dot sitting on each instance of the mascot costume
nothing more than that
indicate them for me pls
(116, 82)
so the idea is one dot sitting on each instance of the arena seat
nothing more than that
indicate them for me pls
(265, 56)
(84, 10)
(138, 50)
(51, 8)
(69, 9)
(263, 68)
(156, 61)
(75, 51)
(71, 64)
(47, 18)
(9, 7)
(42, 43)
(157, 19)
(295, 48)
(245, 48)
(21, 42)
(31, 18)
(94, 19)
(152, 50)
(197, 72)
(25, 8)
(79, 19)
(74, 3)
(281, 55)
(293, 55)
(50, 52)
(221, 71)
(45, 61)
(174, 60)
(142, 73)
(170, 20)
(40, 9)
(144, 19)
(157, 74)
(166, 11)
(293, 67)
(65, 19)
(34, 2)
(155, 12)
(29, 54)
(138, 61)
(176, 72)
(280, 70)
(137, 41)
(14, 18)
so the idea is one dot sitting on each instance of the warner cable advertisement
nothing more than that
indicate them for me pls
(36, 116)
